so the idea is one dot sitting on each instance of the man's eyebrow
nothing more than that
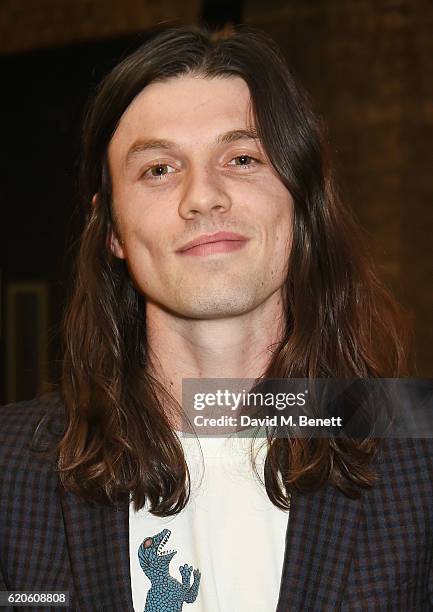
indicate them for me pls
(233, 135)
(139, 146)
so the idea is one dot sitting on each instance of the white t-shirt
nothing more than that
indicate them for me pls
(227, 545)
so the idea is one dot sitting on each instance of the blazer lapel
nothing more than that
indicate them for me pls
(320, 540)
(98, 547)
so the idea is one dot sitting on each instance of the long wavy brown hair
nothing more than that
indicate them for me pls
(341, 322)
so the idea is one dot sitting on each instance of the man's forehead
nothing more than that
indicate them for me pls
(197, 87)
(182, 112)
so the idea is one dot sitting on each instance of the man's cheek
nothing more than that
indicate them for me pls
(147, 249)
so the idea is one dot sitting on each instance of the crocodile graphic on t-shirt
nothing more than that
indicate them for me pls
(166, 594)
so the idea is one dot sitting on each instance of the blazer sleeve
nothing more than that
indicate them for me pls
(2, 581)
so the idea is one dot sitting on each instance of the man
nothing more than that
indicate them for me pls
(214, 246)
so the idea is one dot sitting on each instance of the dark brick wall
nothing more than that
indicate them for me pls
(32, 24)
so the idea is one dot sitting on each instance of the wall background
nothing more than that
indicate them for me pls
(367, 65)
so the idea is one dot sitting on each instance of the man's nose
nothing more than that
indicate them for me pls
(204, 193)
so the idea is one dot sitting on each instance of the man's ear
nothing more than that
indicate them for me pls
(114, 243)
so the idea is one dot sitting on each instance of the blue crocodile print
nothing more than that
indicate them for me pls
(166, 593)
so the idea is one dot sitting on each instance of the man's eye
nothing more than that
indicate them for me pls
(157, 171)
(243, 160)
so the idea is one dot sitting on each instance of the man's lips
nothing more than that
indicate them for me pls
(225, 238)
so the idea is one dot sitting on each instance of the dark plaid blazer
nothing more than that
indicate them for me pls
(374, 553)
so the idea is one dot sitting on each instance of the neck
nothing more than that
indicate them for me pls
(240, 346)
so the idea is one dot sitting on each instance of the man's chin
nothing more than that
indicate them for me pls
(215, 309)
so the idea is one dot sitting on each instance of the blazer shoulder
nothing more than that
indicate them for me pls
(406, 464)
(394, 451)
(28, 430)
(415, 407)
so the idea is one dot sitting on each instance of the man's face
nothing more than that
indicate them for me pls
(181, 168)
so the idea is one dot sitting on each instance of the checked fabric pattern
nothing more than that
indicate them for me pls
(370, 554)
